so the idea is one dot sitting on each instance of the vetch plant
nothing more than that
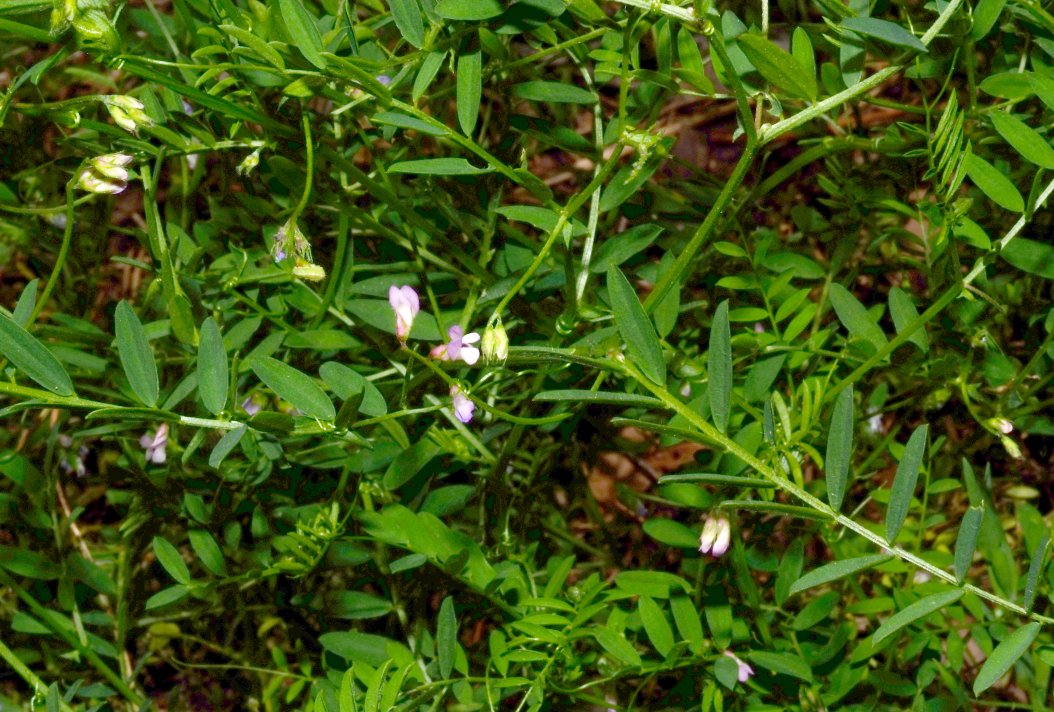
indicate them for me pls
(770, 268)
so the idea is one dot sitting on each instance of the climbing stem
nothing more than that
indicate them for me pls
(814, 503)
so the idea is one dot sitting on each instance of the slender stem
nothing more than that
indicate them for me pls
(16, 664)
(680, 267)
(309, 147)
(572, 207)
(45, 617)
(902, 337)
(799, 492)
(60, 261)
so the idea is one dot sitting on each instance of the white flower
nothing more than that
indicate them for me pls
(406, 304)
(463, 406)
(457, 347)
(745, 671)
(154, 444)
(716, 537)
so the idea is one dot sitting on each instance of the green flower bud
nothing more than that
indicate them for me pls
(495, 346)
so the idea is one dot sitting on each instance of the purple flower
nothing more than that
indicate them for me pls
(406, 304)
(250, 406)
(745, 671)
(154, 444)
(458, 347)
(716, 537)
(463, 406)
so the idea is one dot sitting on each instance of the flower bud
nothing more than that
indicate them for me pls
(716, 537)
(495, 346)
(112, 166)
(309, 271)
(127, 112)
(249, 163)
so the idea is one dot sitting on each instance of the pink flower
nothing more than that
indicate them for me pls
(745, 671)
(463, 406)
(716, 536)
(154, 444)
(406, 304)
(458, 347)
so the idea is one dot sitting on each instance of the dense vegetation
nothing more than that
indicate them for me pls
(543, 355)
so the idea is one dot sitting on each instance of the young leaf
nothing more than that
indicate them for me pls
(171, 560)
(616, 644)
(469, 85)
(719, 361)
(213, 373)
(26, 301)
(904, 312)
(655, 625)
(438, 167)
(1023, 138)
(854, 316)
(32, 358)
(553, 92)
(468, 10)
(293, 386)
(431, 65)
(226, 444)
(839, 448)
(1030, 256)
(994, 184)
(1035, 569)
(919, 609)
(888, 32)
(137, 359)
(778, 66)
(686, 617)
(670, 532)
(1004, 656)
(836, 570)
(407, 16)
(446, 637)
(904, 482)
(785, 663)
(966, 541)
(205, 546)
(303, 30)
(635, 327)
(802, 51)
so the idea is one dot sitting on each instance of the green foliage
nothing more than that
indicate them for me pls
(751, 279)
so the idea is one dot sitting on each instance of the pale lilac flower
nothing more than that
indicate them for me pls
(1002, 425)
(406, 304)
(105, 174)
(463, 406)
(716, 537)
(745, 671)
(154, 444)
(457, 347)
(250, 406)
(384, 79)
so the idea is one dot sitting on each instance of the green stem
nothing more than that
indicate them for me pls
(309, 146)
(60, 261)
(901, 338)
(13, 661)
(44, 615)
(680, 267)
(570, 209)
(799, 493)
